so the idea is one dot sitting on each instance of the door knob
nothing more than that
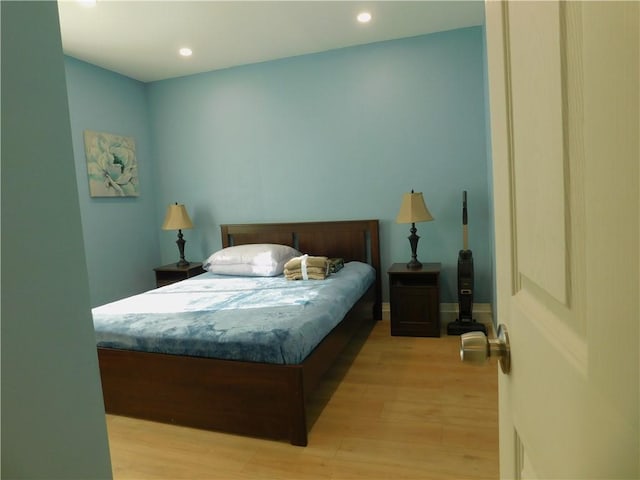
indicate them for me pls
(476, 348)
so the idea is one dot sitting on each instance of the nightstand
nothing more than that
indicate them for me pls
(171, 273)
(415, 300)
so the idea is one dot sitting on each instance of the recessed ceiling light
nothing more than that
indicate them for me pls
(185, 52)
(364, 17)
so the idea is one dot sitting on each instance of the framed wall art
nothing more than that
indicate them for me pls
(111, 164)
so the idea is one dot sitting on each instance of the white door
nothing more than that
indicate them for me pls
(564, 118)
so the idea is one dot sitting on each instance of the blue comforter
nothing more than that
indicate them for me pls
(258, 319)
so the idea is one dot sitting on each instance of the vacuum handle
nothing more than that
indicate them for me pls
(465, 231)
(464, 207)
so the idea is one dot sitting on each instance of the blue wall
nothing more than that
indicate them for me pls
(121, 234)
(335, 135)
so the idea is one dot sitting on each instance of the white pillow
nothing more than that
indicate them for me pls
(253, 260)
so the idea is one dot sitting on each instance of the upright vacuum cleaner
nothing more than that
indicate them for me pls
(465, 322)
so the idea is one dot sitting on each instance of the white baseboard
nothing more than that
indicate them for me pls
(449, 312)
(481, 313)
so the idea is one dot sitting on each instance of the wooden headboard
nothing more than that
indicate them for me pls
(352, 240)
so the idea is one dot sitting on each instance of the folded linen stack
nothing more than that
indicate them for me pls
(306, 268)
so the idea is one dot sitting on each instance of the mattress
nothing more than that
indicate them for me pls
(256, 319)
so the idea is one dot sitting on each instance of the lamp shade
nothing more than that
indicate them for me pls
(413, 209)
(177, 218)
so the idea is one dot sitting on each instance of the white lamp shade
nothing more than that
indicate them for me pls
(413, 209)
(177, 218)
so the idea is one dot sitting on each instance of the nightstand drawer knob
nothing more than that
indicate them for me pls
(476, 348)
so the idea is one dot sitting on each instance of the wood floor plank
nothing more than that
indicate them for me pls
(392, 407)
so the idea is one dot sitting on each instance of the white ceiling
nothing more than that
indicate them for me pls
(140, 39)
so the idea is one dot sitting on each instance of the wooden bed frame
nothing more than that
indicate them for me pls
(246, 398)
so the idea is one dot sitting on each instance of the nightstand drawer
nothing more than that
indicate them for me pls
(415, 300)
(414, 311)
(168, 274)
(167, 278)
(413, 281)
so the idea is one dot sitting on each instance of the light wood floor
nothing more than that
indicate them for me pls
(392, 407)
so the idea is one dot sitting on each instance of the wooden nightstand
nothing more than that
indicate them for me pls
(168, 274)
(415, 300)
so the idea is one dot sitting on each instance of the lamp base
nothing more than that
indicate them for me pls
(414, 264)
(181, 241)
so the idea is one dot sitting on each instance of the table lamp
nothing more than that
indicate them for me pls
(412, 210)
(177, 218)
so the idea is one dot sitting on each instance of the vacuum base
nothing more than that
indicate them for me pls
(459, 327)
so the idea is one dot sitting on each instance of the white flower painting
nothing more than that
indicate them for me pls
(111, 165)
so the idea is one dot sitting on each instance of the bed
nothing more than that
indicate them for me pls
(254, 398)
